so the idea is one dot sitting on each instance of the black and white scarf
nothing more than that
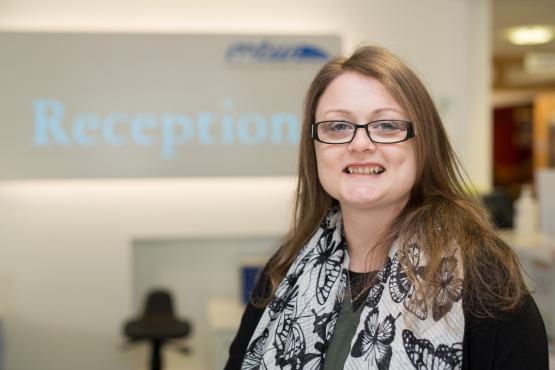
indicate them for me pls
(398, 329)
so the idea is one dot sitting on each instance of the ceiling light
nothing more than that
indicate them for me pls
(530, 35)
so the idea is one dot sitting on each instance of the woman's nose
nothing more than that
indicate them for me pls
(361, 141)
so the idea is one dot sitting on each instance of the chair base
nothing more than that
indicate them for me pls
(156, 355)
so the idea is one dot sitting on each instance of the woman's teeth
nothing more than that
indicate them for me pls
(372, 170)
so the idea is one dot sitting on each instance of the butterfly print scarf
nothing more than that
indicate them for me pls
(398, 328)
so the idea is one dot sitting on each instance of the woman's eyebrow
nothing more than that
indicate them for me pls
(381, 110)
(343, 111)
(377, 111)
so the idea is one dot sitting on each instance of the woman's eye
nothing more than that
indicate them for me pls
(339, 126)
(388, 126)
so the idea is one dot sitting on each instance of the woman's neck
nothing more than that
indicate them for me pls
(364, 230)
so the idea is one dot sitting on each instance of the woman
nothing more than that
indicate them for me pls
(389, 263)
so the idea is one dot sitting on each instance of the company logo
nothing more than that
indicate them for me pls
(270, 52)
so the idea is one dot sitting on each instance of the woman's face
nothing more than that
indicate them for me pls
(362, 174)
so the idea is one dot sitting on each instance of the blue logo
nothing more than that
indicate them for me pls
(270, 52)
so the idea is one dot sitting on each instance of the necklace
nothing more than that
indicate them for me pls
(356, 282)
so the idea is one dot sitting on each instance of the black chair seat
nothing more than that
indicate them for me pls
(157, 325)
(157, 328)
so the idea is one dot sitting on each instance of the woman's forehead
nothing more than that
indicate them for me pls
(354, 95)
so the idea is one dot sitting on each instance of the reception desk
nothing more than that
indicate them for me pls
(224, 316)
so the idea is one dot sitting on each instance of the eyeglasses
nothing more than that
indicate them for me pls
(385, 131)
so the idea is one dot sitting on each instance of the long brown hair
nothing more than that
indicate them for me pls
(439, 212)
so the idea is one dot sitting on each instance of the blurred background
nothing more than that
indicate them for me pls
(151, 145)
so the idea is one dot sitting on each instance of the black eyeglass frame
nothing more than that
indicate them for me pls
(409, 130)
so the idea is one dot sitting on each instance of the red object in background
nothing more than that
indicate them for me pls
(512, 147)
(504, 152)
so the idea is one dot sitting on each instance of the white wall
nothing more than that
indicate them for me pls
(447, 41)
(65, 279)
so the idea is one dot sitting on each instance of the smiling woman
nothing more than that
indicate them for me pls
(373, 168)
(389, 263)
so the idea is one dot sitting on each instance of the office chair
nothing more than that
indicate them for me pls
(500, 208)
(158, 325)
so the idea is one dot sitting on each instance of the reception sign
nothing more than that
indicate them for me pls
(138, 105)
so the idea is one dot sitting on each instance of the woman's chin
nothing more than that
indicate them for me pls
(361, 195)
(359, 203)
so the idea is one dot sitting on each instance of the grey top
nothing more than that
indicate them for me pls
(347, 321)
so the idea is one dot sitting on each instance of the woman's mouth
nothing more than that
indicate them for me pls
(364, 170)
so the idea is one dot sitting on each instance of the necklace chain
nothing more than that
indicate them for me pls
(363, 291)
(358, 295)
